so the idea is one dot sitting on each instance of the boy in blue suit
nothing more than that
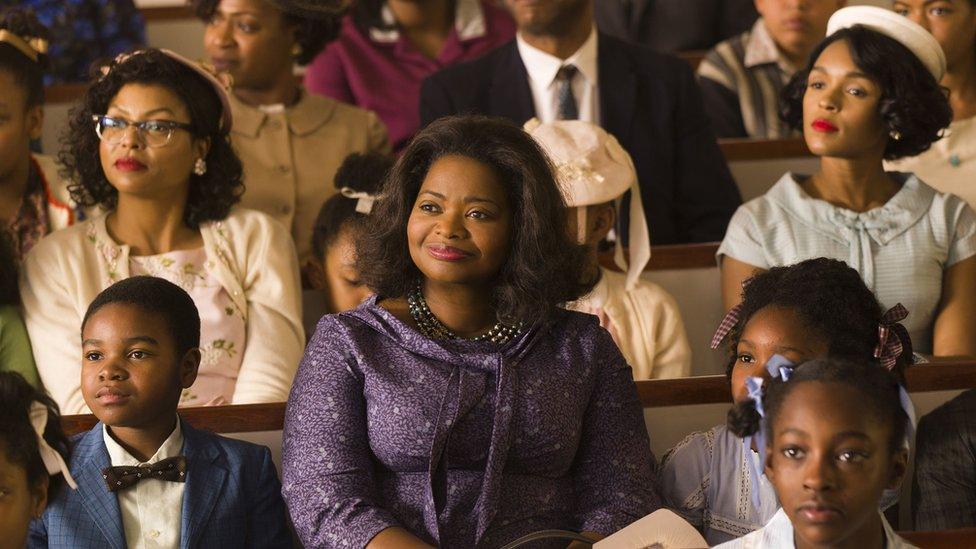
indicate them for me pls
(145, 477)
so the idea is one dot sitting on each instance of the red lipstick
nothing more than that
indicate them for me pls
(447, 253)
(129, 165)
(823, 126)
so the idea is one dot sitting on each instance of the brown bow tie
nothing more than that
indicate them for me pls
(124, 476)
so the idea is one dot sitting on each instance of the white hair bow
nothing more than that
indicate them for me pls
(364, 201)
(53, 461)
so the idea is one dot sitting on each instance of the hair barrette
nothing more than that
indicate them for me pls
(32, 47)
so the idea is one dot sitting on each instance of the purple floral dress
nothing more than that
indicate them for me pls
(464, 444)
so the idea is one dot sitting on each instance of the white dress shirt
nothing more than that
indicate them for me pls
(152, 509)
(542, 68)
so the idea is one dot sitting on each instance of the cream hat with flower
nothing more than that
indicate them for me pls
(592, 168)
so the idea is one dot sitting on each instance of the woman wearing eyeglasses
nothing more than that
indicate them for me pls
(149, 145)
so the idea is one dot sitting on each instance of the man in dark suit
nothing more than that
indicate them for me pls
(649, 101)
(675, 25)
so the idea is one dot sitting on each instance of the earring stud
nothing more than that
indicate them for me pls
(200, 166)
(895, 134)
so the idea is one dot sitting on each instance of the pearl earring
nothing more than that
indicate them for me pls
(895, 134)
(200, 166)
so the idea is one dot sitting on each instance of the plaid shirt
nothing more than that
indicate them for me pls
(944, 488)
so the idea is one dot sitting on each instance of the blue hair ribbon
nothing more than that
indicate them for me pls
(778, 367)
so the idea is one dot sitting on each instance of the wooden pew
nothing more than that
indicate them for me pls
(944, 539)
(690, 274)
(655, 393)
(672, 409)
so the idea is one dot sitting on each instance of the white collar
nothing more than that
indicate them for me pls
(542, 67)
(171, 447)
(469, 22)
(882, 224)
(778, 532)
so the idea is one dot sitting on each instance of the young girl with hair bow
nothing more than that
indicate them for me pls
(815, 309)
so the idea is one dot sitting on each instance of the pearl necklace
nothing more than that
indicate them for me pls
(433, 328)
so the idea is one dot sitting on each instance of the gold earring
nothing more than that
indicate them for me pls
(895, 134)
(296, 50)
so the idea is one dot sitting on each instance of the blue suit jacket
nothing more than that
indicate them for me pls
(232, 498)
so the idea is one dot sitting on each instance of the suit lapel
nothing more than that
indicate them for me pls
(101, 505)
(205, 478)
(509, 95)
(618, 89)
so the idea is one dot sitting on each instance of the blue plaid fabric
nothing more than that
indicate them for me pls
(83, 31)
(232, 498)
(944, 487)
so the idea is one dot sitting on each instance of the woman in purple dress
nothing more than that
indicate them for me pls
(461, 407)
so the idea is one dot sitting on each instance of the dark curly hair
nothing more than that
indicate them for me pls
(912, 102)
(833, 304)
(27, 73)
(361, 172)
(212, 195)
(877, 387)
(311, 34)
(18, 441)
(158, 297)
(544, 267)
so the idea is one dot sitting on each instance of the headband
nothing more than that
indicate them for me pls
(364, 201)
(220, 82)
(53, 461)
(33, 48)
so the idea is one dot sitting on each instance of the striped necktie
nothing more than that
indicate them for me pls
(568, 109)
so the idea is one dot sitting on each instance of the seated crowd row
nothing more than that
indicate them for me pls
(461, 403)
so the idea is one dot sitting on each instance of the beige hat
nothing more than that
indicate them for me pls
(220, 82)
(918, 40)
(592, 168)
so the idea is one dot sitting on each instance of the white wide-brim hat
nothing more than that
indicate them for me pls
(911, 35)
(593, 168)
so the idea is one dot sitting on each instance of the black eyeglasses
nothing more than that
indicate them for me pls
(154, 133)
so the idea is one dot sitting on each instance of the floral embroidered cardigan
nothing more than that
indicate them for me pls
(255, 262)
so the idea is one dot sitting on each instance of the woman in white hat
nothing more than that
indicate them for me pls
(950, 165)
(870, 93)
(595, 173)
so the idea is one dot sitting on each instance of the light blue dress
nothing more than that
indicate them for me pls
(705, 479)
(901, 249)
